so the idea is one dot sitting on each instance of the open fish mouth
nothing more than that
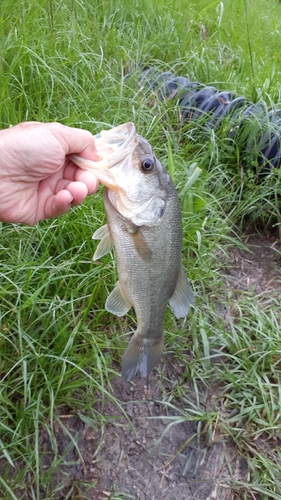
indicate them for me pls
(112, 145)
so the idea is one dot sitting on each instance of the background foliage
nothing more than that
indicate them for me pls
(67, 61)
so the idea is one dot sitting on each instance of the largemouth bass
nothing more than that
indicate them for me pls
(144, 225)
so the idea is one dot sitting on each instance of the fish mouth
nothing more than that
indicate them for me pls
(116, 143)
(112, 146)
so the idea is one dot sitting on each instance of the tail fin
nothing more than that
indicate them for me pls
(141, 355)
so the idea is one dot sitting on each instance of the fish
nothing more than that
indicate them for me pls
(144, 226)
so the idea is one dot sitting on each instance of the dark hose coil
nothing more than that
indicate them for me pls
(254, 128)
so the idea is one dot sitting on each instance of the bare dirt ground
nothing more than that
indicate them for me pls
(257, 268)
(138, 456)
(182, 466)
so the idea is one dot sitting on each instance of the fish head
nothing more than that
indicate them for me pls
(138, 186)
(141, 185)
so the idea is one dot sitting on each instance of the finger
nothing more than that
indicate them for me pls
(58, 204)
(90, 185)
(74, 173)
(88, 178)
(61, 202)
(76, 140)
(28, 125)
(73, 140)
(78, 190)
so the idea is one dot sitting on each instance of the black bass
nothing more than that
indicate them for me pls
(144, 225)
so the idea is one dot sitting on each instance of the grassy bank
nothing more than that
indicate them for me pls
(67, 61)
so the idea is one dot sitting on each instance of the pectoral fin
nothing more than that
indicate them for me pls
(182, 297)
(101, 232)
(141, 245)
(116, 303)
(106, 244)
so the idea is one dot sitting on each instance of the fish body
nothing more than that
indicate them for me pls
(144, 225)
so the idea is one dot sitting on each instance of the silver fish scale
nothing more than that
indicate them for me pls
(144, 225)
(148, 285)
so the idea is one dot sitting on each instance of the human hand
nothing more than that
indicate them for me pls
(37, 179)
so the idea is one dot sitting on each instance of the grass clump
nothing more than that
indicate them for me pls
(68, 61)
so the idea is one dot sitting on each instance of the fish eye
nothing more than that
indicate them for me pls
(147, 165)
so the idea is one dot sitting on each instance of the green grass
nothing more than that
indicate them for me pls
(67, 61)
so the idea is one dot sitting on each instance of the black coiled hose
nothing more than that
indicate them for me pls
(255, 129)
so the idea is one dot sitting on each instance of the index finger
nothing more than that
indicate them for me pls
(76, 140)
